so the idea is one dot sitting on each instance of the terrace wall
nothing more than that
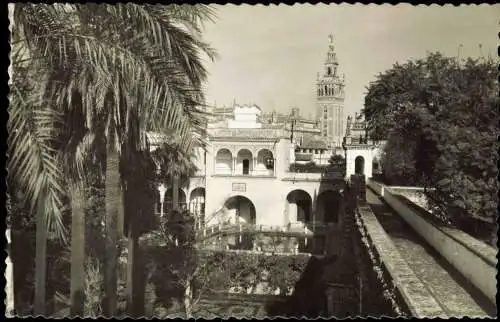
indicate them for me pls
(474, 259)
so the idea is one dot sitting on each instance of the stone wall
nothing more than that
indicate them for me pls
(399, 285)
(474, 259)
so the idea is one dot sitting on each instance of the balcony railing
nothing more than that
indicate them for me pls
(266, 172)
(294, 238)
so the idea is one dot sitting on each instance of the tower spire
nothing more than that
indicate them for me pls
(330, 97)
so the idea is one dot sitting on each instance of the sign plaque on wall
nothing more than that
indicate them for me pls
(239, 187)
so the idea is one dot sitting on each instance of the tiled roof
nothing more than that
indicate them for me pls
(273, 126)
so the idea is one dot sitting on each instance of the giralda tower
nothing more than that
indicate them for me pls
(330, 99)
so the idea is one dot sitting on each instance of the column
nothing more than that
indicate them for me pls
(234, 166)
(292, 212)
(162, 190)
(175, 194)
(254, 166)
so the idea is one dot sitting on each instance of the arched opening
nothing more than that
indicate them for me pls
(265, 163)
(169, 199)
(244, 162)
(246, 166)
(359, 165)
(329, 206)
(240, 210)
(224, 162)
(299, 206)
(197, 205)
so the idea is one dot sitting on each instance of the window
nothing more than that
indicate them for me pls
(246, 166)
(329, 70)
(269, 164)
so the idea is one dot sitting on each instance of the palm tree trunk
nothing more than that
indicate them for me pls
(131, 208)
(40, 262)
(113, 207)
(9, 275)
(77, 252)
(175, 193)
(135, 302)
(188, 299)
(40, 259)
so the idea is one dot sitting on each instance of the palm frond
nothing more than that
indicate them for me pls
(33, 160)
(136, 68)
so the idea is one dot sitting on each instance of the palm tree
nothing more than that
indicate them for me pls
(136, 68)
(33, 163)
(175, 159)
(140, 178)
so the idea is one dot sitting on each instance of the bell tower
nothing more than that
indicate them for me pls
(330, 98)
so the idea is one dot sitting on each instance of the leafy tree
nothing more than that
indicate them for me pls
(336, 159)
(440, 118)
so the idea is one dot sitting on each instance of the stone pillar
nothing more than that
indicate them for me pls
(292, 212)
(234, 166)
(254, 166)
(175, 194)
(161, 191)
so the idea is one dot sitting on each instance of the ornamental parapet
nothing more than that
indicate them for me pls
(248, 134)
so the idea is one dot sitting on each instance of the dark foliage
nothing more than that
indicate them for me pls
(440, 119)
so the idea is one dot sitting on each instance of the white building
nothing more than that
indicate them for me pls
(245, 178)
(362, 155)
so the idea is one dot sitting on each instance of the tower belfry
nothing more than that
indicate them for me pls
(330, 98)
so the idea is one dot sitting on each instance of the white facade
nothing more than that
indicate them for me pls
(245, 178)
(245, 117)
(357, 154)
(362, 155)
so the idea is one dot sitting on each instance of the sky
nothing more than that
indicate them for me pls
(270, 55)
